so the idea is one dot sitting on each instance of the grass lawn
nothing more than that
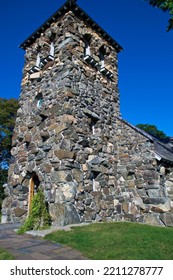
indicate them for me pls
(4, 255)
(118, 241)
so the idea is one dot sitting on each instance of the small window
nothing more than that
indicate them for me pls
(102, 60)
(49, 58)
(39, 100)
(39, 103)
(36, 67)
(93, 177)
(93, 122)
(52, 49)
(27, 145)
(102, 57)
(38, 60)
(87, 50)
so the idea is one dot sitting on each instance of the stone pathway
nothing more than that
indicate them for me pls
(26, 247)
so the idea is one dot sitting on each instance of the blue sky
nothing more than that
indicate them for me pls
(145, 65)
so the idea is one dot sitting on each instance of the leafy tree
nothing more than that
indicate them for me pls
(165, 6)
(153, 130)
(8, 110)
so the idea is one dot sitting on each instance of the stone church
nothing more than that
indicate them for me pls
(70, 140)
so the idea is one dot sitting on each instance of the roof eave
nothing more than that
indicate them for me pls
(142, 132)
(163, 159)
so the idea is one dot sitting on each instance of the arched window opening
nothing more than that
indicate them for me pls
(39, 103)
(39, 100)
(49, 57)
(27, 145)
(87, 49)
(102, 60)
(36, 67)
(93, 123)
(102, 53)
(94, 175)
(102, 68)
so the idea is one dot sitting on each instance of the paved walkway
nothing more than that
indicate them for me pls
(26, 247)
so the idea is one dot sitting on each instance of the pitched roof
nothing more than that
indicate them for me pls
(70, 5)
(162, 148)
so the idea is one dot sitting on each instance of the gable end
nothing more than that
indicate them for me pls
(70, 6)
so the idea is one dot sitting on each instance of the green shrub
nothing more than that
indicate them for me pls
(39, 217)
(3, 180)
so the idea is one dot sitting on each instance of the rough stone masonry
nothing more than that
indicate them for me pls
(70, 140)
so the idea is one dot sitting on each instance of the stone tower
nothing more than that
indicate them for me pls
(69, 139)
(68, 102)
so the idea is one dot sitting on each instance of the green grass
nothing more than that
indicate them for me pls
(4, 255)
(118, 241)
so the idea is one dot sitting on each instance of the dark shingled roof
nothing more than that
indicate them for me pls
(162, 147)
(70, 5)
(164, 151)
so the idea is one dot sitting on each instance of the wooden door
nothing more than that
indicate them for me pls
(31, 194)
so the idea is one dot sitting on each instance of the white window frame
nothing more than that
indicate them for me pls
(52, 49)
(38, 60)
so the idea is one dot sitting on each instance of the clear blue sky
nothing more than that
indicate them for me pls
(145, 65)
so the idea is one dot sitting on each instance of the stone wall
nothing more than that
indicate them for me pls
(145, 183)
(91, 165)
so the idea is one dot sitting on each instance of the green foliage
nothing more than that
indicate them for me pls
(153, 130)
(39, 217)
(118, 241)
(4, 255)
(8, 111)
(3, 179)
(165, 6)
